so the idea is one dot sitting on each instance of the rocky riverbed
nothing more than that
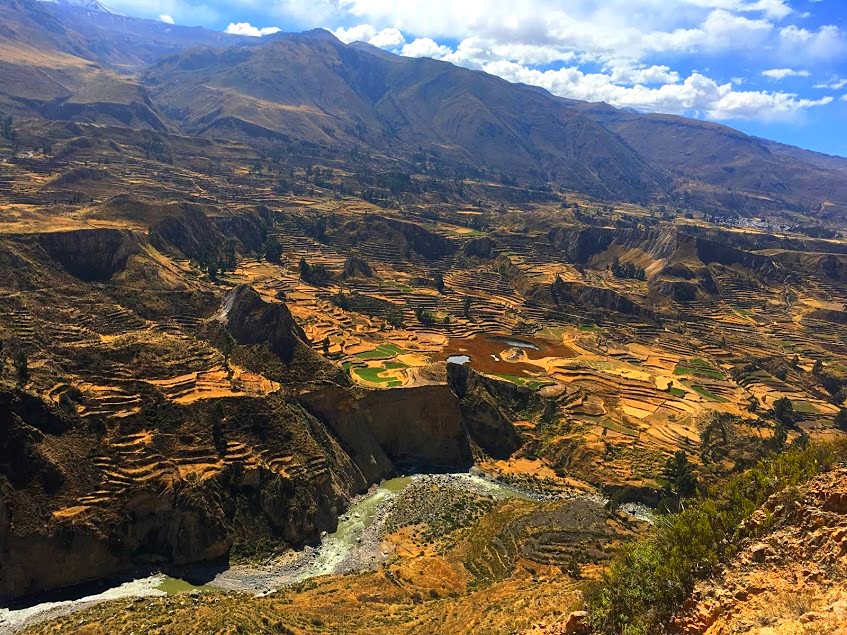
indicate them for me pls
(438, 502)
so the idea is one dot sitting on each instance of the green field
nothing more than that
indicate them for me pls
(610, 425)
(699, 368)
(382, 351)
(371, 374)
(700, 390)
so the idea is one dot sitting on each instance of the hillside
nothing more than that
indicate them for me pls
(398, 346)
(418, 113)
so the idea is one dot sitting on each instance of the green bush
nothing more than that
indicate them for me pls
(651, 578)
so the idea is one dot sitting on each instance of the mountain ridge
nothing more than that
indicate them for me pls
(313, 88)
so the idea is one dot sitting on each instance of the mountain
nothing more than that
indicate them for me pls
(313, 87)
(65, 62)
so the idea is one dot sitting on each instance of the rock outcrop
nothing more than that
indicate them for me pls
(789, 579)
(383, 429)
(250, 320)
(93, 255)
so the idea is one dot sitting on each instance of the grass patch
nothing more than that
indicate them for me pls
(371, 374)
(589, 328)
(650, 579)
(525, 382)
(395, 365)
(805, 407)
(676, 392)
(381, 352)
(708, 394)
(615, 427)
(698, 368)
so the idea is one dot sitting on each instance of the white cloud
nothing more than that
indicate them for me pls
(166, 19)
(782, 73)
(389, 38)
(777, 9)
(828, 42)
(720, 30)
(425, 47)
(834, 83)
(698, 94)
(245, 28)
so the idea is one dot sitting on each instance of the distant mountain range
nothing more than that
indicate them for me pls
(84, 63)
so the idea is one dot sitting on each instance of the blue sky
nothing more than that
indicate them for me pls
(773, 68)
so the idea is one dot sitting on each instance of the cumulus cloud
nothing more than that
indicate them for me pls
(771, 8)
(782, 73)
(426, 47)
(166, 19)
(827, 43)
(389, 38)
(697, 94)
(245, 28)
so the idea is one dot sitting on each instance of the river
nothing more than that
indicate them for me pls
(356, 545)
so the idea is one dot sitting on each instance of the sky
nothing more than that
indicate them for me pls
(772, 68)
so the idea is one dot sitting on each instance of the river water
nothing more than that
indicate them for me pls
(355, 545)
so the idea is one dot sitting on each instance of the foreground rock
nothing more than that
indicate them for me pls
(791, 580)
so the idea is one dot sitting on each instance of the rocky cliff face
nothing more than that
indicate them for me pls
(189, 231)
(205, 478)
(433, 426)
(672, 246)
(250, 320)
(420, 426)
(484, 404)
(93, 255)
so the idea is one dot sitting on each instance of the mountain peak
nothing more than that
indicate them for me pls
(87, 5)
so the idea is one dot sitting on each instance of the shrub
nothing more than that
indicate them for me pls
(650, 579)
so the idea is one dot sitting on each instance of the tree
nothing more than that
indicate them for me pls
(439, 282)
(795, 361)
(841, 420)
(304, 268)
(680, 476)
(783, 411)
(273, 249)
(325, 345)
(6, 129)
(231, 260)
(212, 271)
(21, 363)
(817, 369)
(715, 437)
(780, 437)
(466, 307)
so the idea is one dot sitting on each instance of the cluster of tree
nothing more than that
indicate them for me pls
(836, 386)
(428, 318)
(273, 249)
(317, 275)
(627, 270)
(157, 151)
(220, 262)
(20, 364)
(342, 301)
(651, 578)
(680, 481)
(7, 130)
